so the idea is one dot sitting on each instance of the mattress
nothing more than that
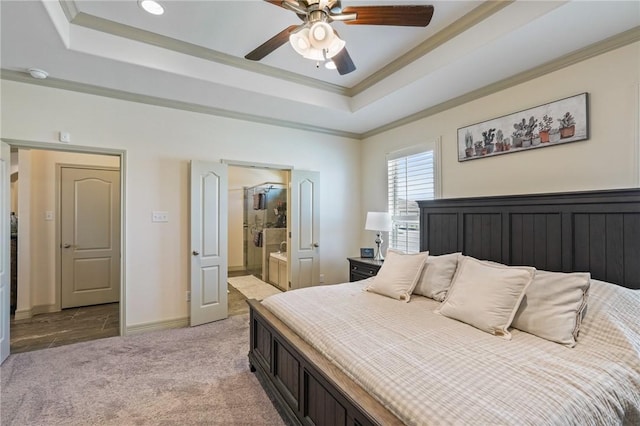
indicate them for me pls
(429, 369)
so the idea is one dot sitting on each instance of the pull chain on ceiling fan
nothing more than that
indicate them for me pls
(315, 39)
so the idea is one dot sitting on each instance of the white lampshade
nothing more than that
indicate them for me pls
(321, 35)
(314, 54)
(336, 46)
(378, 221)
(300, 41)
(325, 45)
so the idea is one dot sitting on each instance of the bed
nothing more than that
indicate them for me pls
(323, 353)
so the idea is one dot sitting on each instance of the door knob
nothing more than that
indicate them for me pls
(196, 252)
(66, 245)
(316, 245)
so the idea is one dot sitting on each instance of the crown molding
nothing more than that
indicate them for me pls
(477, 15)
(69, 9)
(596, 49)
(56, 83)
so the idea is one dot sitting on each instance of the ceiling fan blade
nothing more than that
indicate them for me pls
(405, 16)
(343, 62)
(272, 44)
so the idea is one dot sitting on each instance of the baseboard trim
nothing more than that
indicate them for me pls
(23, 314)
(157, 326)
(35, 310)
(235, 268)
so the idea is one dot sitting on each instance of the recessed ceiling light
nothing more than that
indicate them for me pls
(330, 65)
(151, 6)
(38, 73)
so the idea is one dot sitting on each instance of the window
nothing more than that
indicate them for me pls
(411, 177)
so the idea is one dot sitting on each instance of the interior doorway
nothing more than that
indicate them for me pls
(38, 317)
(254, 192)
(265, 229)
(89, 211)
(258, 211)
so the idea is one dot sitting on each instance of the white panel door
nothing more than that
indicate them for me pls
(305, 229)
(5, 171)
(209, 193)
(89, 236)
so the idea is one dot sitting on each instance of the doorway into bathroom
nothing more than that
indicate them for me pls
(264, 228)
(258, 228)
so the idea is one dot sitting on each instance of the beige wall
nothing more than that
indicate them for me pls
(608, 159)
(159, 142)
(240, 178)
(37, 237)
(14, 181)
(14, 193)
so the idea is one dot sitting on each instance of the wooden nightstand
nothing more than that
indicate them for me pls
(361, 268)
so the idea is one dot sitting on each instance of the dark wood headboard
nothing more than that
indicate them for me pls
(593, 231)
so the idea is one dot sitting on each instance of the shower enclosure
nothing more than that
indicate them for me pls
(265, 226)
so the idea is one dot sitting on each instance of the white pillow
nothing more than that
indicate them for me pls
(437, 276)
(398, 274)
(486, 295)
(553, 305)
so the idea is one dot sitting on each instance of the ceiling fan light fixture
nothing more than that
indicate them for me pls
(336, 46)
(314, 54)
(300, 41)
(330, 65)
(320, 42)
(151, 6)
(321, 35)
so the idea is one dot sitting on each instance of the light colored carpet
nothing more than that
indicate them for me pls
(252, 287)
(197, 375)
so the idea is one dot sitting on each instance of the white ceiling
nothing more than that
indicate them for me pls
(192, 57)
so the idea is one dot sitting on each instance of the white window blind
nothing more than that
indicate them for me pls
(410, 178)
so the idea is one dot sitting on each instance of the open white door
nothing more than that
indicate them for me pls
(305, 229)
(209, 195)
(5, 265)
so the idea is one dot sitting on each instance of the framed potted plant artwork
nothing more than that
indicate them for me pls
(554, 123)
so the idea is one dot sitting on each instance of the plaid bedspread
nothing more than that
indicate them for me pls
(431, 370)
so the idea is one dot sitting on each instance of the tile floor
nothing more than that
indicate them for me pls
(86, 323)
(65, 327)
(236, 302)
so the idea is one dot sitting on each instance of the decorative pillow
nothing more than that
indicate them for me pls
(553, 305)
(437, 275)
(398, 274)
(486, 295)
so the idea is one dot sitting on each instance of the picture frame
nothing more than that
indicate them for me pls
(554, 123)
(366, 253)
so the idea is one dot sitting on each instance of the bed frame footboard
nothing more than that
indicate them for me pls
(305, 387)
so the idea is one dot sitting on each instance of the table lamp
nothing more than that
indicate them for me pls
(379, 222)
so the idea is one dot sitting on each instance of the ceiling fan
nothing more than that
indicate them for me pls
(316, 39)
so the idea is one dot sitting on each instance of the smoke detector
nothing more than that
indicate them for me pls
(38, 73)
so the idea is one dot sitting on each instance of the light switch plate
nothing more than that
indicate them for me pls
(158, 216)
